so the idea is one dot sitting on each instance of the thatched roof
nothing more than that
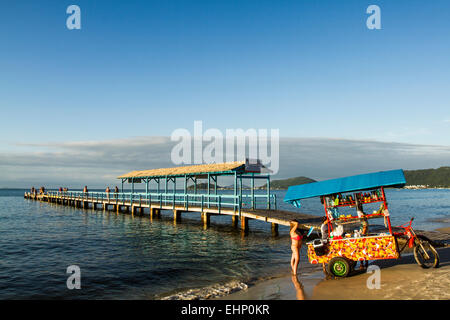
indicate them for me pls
(195, 170)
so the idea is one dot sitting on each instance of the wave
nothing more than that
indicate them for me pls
(209, 292)
(223, 289)
(440, 219)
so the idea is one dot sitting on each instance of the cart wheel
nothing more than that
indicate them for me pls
(339, 267)
(426, 255)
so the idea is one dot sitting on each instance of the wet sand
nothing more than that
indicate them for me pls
(285, 288)
(444, 230)
(400, 279)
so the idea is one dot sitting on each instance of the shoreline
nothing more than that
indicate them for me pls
(401, 279)
(287, 287)
(444, 230)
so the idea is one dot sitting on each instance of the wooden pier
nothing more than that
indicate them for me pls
(239, 205)
(113, 202)
(127, 203)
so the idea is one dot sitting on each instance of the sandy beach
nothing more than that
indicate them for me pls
(444, 230)
(401, 279)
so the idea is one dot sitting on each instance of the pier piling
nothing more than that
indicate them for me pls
(244, 224)
(177, 215)
(206, 219)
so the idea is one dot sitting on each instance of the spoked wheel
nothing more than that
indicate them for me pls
(339, 267)
(426, 255)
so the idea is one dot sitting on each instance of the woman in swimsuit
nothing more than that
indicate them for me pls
(296, 244)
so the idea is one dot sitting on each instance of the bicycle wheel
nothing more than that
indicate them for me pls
(426, 255)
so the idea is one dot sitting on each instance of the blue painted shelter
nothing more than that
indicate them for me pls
(392, 178)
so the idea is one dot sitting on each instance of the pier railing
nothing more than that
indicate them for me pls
(186, 200)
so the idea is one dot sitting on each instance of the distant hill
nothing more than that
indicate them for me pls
(286, 183)
(425, 177)
(204, 186)
(431, 177)
(201, 186)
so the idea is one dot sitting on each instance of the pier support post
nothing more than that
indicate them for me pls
(152, 212)
(244, 224)
(234, 221)
(155, 213)
(274, 227)
(206, 219)
(176, 215)
(136, 209)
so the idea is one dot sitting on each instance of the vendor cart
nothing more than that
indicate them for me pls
(342, 244)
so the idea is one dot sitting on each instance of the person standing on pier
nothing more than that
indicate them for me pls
(85, 191)
(107, 192)
(296, 244)
(116, 192)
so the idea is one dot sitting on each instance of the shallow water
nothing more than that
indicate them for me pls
(127, 257)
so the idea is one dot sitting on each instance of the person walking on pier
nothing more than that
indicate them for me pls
(85, 191)
(296, 244)
(107, 192)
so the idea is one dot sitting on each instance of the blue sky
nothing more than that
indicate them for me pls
(310, 68)
(146, 68)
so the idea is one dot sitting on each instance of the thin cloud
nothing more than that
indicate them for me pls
(98, 163)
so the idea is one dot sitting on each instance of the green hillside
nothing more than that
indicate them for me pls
(201, 186)
(286, 183)
(432, 177)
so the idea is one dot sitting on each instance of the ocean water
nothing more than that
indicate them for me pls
(125, 257)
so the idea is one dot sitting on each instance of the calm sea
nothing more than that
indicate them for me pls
(125, 257)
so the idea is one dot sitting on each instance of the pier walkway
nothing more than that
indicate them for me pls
(153, 203)
(163, 191)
